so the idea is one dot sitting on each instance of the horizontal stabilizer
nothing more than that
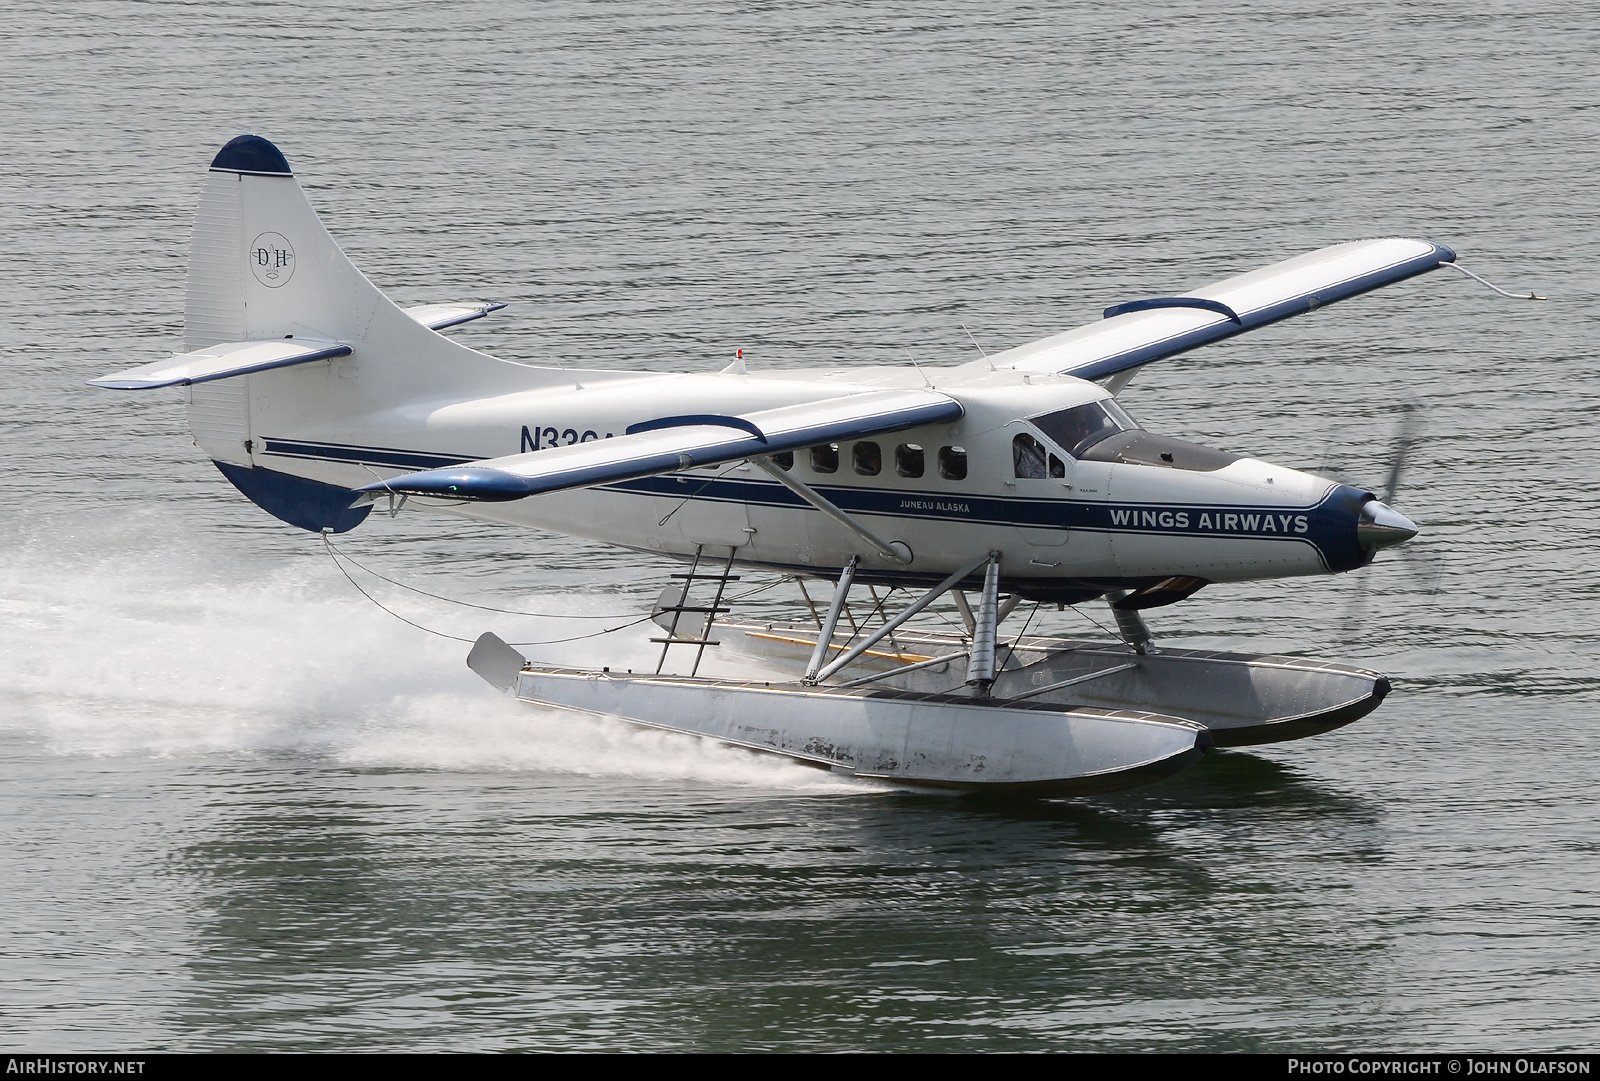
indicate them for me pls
(439, 316)
(222, 361)
(1140, 331)
(687, 442)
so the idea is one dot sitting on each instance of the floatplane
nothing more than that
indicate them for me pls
(1017, 477)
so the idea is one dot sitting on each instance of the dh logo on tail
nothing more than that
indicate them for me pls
(272, 259)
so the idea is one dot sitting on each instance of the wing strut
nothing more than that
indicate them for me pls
(893, 551)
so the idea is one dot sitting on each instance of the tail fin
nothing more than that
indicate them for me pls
(262, 269)
(262, 266)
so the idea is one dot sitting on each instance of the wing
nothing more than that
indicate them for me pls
(672, 443)
(223, 361)
(1144, 330)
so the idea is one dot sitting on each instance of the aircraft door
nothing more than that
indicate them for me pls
(1043, 478)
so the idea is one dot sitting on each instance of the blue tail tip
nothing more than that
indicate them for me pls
(251, 154)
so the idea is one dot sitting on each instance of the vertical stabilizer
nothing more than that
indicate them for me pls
(263, 269)
(261, 265)
(286, 341)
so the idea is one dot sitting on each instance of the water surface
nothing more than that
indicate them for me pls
(247, 810)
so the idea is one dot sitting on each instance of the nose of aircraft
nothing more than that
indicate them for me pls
(1381, 526)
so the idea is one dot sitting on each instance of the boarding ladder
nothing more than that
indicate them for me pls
(711, 611)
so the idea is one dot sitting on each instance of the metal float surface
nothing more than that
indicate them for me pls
(1242, 698)
(907, 737)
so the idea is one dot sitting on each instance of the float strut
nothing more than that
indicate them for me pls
(910, 610)
(1130, 624)
(1007, 606)
(831, 620)
(965, 609)
(980, 662)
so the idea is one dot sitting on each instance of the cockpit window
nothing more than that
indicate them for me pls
(1028, 456)
(1081, 427)
(1032, 460)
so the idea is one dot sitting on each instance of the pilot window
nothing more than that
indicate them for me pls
(867, 459)
(953, 463)
(1081, 427)
(784, 459)
(908, 460)
(1031, 460)
(825, 459)
(1028, 456)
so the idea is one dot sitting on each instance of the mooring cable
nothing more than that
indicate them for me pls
(335, 556)
(466, 604)
(348, 558)
(339, 558)
(380, 604)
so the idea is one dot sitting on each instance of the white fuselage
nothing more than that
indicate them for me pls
(1100, 524)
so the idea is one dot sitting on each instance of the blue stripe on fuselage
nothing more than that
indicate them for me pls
(1328, 526)
(1201, 519)
(339, 452)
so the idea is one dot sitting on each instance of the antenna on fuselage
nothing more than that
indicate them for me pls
(575, 384)
(918, 367)
(980, 348)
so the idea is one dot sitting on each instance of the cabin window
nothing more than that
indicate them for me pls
(784, 459)
(867, 459)
(908, 460)
(953, 463)
(1081, 427)
(1028, 457)
(825, 459)
(1058, 468)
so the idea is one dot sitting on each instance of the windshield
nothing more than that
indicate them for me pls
(1081, 427)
